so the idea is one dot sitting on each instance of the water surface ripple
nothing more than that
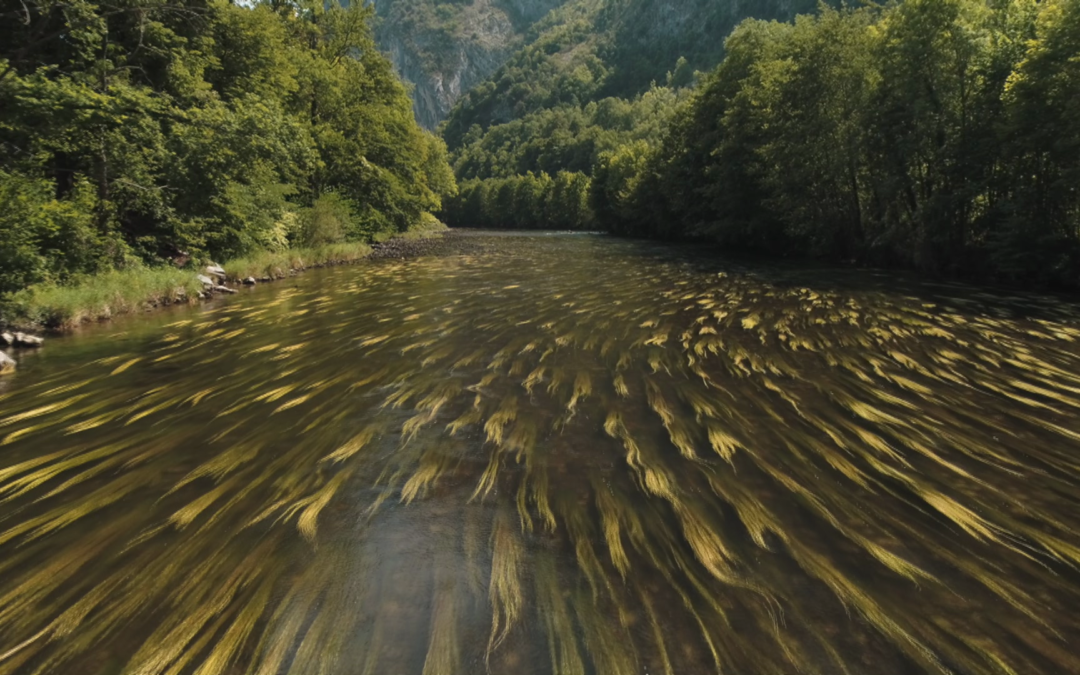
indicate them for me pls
(567, 455)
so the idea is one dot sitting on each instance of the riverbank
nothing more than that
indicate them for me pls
(61, 309)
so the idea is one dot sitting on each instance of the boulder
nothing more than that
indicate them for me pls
(24, 340)
(205, 280)
(250, 281)
(215, 271)
(7, 339)
(224, 289)
(7, 364)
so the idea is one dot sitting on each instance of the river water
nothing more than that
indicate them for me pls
(550, 455)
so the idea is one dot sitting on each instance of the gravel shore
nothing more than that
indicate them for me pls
(445, 243)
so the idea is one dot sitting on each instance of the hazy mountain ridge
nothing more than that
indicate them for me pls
(588, 50)
(504, 51)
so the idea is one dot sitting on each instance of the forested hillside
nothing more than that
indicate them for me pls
(596, 76)
(939, 135)
(588, 50)
(139, 132)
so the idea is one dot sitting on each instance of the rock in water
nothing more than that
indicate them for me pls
(24, 340)
(205, 280)
(224, 289)
(215, 271)
(7, 364)
(7, 339)
(250, 281)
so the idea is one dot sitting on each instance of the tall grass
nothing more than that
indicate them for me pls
(275, 265)
(100, 297)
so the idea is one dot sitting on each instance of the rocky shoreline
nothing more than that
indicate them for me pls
(16, 340)
(449, 242)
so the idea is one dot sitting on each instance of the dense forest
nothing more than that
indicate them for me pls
(595, 76)
(534, 172)
(588, 50)
(939, 135)
(144, 132)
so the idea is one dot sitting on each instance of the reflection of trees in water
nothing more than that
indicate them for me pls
(558, 458)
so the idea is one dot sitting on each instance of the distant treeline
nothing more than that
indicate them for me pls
(529, 202)
(940, 135)
(543, 153)
(133, 132)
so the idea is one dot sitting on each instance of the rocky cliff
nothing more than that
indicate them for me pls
(445, 49)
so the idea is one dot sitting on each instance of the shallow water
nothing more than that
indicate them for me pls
(566, 455)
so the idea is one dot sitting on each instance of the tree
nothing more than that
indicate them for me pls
(1039, 231)
(150, 127)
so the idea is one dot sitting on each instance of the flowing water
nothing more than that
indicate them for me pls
(561, 455)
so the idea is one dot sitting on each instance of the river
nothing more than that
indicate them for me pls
(550, 455)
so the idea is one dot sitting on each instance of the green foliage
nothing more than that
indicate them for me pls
(43, 239)
(588, 50)
(583, 94)
(528, 202)
(255, 216)
(616, 191)
(566, 138)
(1039, 224)
(141, 131)
(329, 221)
(935, 134)
(534, 173)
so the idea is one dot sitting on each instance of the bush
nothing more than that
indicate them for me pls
(330, 220)
(43, 239)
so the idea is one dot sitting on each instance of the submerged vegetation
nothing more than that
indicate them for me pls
(545, 455)
(569, 455)
(146, 133)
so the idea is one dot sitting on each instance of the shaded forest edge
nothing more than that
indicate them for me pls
(140, 139)
(935, 135)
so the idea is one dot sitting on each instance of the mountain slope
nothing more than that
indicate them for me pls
(587, 50)
(444, 49)
(523, 55)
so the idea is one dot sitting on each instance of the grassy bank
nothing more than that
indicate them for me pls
(99, 297)
(268, 265)
(102, 296)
